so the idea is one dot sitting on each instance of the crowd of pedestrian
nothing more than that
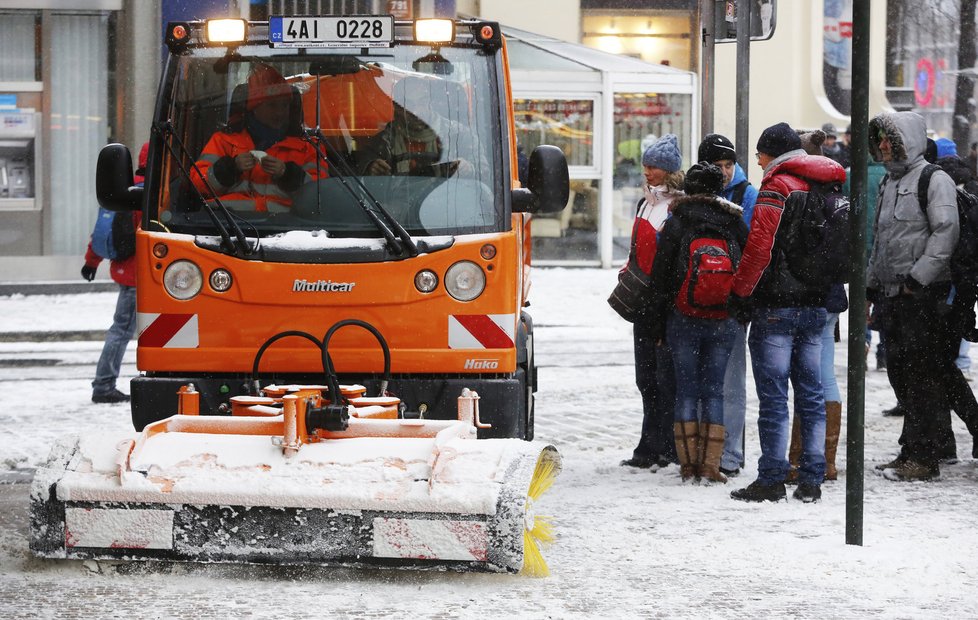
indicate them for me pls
(730, 267)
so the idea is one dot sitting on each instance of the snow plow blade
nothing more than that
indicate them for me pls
(381, 493)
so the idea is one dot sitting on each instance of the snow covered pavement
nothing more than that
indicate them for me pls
(631, 543)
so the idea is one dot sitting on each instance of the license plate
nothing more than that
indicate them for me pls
(352, 31)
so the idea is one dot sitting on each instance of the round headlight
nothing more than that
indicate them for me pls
(220, 280)
(426, 281)
(183, 279)
(465, 281)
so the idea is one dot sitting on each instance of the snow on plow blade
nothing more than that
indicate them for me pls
(223, 489)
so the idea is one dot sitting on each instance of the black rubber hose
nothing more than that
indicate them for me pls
(331, 378)
(279, 336)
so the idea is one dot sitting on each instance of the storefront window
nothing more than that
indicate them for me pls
(640, 119)
(565, 123)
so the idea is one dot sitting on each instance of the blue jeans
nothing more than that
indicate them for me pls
(963, 361)
(700, 350)
(116, 340)
(786, 343)
(830, 387)
(735, 402)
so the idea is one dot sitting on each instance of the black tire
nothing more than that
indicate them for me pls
(529, 377)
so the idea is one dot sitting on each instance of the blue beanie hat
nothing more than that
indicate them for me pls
(946, 148)
(664, 154)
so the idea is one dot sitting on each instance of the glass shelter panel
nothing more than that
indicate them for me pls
(565, 123)
(640, 119)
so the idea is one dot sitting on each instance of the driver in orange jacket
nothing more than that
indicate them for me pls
(258, 167)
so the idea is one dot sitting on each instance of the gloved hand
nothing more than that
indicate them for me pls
(739, 308)
(911, 286)
(872, 295)
(88, 272)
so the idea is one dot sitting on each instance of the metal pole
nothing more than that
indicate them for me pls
(856, 404)
(708, 64)
(743, 80)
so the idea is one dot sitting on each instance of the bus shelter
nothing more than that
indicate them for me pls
(602, 110)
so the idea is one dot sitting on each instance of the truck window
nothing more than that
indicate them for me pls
(297, 142)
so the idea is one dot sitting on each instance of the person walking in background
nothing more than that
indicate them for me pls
(787, 316)
(832, 148)
(123, 272)
(719, 151)
(661, 163)
(909, 273)
(699, 248)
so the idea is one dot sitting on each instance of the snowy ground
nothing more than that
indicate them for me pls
(631, 543)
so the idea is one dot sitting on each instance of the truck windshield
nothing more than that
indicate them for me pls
(309, 141)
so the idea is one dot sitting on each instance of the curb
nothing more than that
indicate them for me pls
(93, 335)
(57, 288)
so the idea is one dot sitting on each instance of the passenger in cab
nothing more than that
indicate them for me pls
(256, 167)
(421, 139)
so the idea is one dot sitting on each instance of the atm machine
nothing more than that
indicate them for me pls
(18, 160)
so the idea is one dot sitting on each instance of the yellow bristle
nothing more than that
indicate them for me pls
(542, 532)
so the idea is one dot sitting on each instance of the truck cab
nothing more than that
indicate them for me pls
(310, 170)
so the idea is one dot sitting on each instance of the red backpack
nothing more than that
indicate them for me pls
(710, 266)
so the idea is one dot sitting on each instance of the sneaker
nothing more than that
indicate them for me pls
(638, 463)
(808, 492)
(757, 491)
(911, 470)
(893, 412)
(898, 461)
(115, 396)
(733, 473)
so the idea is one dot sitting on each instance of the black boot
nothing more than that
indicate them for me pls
(757, 491)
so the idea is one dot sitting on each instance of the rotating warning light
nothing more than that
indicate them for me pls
(225, 30)
(434, 30)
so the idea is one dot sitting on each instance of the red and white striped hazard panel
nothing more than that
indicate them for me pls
(168, 331)
(481, 331)
(430, 539)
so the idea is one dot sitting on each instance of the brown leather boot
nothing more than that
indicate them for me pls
(711, 449)
(687, 448)
(833, 426)
(794, 450)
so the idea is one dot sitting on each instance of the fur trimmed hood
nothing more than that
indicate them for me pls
(690, 204)
(907, 132)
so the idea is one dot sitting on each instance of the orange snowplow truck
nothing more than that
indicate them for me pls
(309, 170)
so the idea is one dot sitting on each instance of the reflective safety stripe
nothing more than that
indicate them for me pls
(168, 331)
(430, 539)
(481, 331)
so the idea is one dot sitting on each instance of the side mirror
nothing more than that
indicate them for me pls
(547, 183)
(114, 181)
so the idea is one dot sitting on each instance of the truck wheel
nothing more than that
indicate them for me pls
(529, 379)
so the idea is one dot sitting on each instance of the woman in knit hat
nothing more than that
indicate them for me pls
(662, 166)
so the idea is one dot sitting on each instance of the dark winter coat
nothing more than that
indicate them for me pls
(669, 269)
(763, 274)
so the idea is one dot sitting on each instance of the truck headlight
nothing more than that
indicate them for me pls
(225, 30)
(183, 279)
(465, 281)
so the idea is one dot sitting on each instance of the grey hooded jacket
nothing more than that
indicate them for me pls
(907, 242)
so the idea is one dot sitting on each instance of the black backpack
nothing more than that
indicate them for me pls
(964, 259)
(816, 243)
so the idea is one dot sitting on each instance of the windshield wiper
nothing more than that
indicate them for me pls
(373, 211)
(166, 129)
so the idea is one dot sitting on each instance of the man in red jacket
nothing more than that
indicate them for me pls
(787, 315)
(123, 272)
